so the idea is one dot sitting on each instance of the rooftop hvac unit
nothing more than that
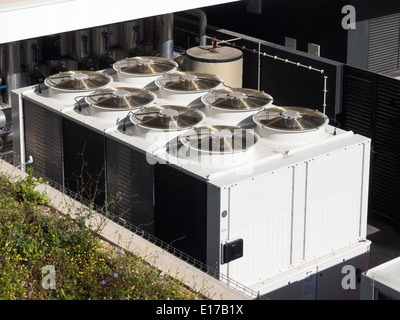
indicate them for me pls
(142, 72)
(274, 209)
(235, 106)
(382, 282)
(253, 202)
(186, 88)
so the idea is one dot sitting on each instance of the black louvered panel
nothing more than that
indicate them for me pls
(358, 101)
(181, 211)
(84, 165)
(130, 174)
(372, 108)
(385, 177)
(384, 36)
(43, 141)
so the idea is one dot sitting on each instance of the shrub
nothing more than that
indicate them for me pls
(34, 235)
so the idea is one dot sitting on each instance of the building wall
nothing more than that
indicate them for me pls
(310, 21)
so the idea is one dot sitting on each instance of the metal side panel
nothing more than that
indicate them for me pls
(43, 141)
(331, 277)
(260, 213)
(131, 176)
(334, 201)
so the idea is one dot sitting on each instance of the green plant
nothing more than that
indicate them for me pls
(25, 189)
(34, 235)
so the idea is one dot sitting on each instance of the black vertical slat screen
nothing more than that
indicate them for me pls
(130, 174)
(43, 141)
(384, 36)
(84, 165)
(181, 211)
(371, 107)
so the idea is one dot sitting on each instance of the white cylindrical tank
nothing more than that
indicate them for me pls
(225, 62)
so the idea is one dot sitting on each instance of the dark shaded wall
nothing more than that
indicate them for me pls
(311, 21)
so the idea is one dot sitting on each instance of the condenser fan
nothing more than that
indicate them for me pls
(167, 117)
(188, 81)
(120, 98)
(293, 119)
(145, 65)
(219, 139)
(237, 99)
(78, 80)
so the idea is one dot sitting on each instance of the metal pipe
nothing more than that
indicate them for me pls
(167, 48)
(99, 44)
(5, 117)
(12, 68)
(129, 35)
(80, 44)
(202, 24)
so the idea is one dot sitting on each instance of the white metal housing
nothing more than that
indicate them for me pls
(382, 282)
(291, 204)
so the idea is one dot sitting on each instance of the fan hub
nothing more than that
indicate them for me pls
(188, 77)
(169, 112)
(221, 134)
(145, 62)
(237, 95)
(122, 93)
(291, 114)
(79, 76)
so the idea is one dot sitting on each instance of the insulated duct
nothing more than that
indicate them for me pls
(167, 48)
(99, 40)
(202, 24)
(12, 72)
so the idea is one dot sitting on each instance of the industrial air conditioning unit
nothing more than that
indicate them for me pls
(381, 282)
(268, 204)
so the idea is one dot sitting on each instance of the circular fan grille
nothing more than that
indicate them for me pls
(294, 119)
(219, 139)
(237, 99)
(145, 65)
(167, 117)
(188, 81)
(78, 80)
(120, 98)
